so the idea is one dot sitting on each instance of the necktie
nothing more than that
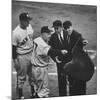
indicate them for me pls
(68, 38)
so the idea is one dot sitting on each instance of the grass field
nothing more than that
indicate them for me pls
(84, 20)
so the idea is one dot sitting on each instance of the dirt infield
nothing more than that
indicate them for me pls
(84, 19)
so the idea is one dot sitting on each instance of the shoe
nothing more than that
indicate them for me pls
(44, 93)
(35, 96)
(20, 98)
(19, 92)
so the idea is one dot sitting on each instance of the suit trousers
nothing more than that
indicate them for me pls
(62, 82)
(76, 87)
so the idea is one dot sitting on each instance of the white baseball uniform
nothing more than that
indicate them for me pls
(40, 61)
(22, 39)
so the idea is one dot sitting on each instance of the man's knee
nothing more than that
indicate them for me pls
(20, 81)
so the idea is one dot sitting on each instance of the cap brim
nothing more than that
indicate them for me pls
(49, 31)
(29, 18)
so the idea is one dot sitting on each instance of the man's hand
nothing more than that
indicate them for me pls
(16, 64)
(85, 42)
(57, 60)
(64, 52)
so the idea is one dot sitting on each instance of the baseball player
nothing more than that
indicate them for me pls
(22, 51)
(40, 60)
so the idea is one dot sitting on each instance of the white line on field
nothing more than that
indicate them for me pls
(54, 74)
(92, 51)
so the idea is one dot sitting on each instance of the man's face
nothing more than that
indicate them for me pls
(69, 30)
(46, 36)
(58, 29)
(24, 24)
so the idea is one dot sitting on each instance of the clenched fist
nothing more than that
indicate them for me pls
(64, 52)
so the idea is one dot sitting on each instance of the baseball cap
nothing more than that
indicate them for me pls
(45, 29)
(25, 17)
(57, 23)
(67, 24)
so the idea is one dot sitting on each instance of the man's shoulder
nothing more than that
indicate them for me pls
(39, 41)
(75, 33)
(53, 35)
(17, 30)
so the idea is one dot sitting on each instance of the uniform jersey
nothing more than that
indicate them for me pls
(23, 39)
(40, 51)
(40, 61)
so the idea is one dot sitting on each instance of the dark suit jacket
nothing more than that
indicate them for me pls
(56, 44)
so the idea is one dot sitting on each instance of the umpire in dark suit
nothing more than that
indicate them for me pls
(65, 39)
(59, 41)
(76, 87)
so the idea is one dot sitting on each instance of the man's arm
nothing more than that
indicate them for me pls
(56, 54)
(14, 53)
(14, 45)
(82, 42)
(52, 41)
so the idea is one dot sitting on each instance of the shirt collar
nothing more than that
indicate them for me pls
(62, 34)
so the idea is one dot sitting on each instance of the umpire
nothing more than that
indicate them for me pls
(65, 38)
(76, 87)
(58, 41)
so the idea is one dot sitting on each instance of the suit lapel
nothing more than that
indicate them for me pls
(72, 40)
(65, 34)
(59, 41)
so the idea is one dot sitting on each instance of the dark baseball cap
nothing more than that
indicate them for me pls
(45, 29)
(67, 24)
(57, 23)
(25, 17)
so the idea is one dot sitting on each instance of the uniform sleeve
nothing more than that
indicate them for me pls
(14, 46)
(44, 49)
(53, 53)
(14, 39)
(42, 46)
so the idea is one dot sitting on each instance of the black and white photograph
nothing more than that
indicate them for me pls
(54, 50)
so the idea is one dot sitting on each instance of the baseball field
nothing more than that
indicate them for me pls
(84, 19)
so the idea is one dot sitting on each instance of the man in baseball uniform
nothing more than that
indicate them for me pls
(22, 51)
(40, 60)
